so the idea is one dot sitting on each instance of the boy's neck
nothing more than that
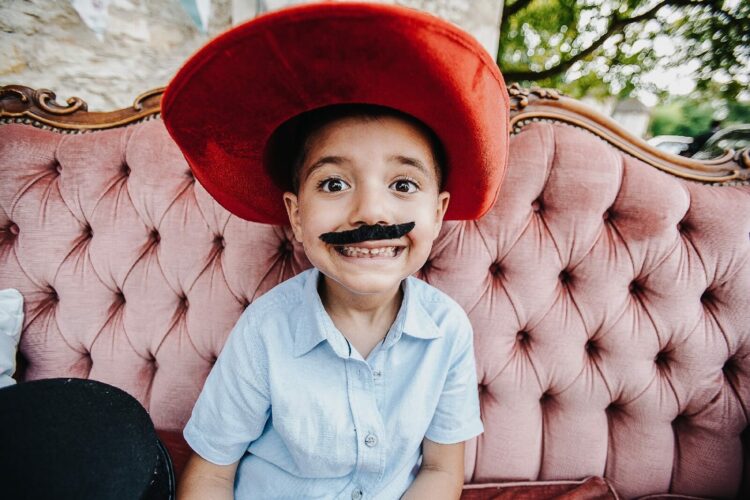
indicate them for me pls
(372, 309)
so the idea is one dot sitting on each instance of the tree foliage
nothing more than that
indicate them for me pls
(691, 116)
(686, 117)
(604, 47)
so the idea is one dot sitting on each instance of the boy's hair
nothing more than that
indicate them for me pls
(288, 147)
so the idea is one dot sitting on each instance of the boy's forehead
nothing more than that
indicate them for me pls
(334, 142)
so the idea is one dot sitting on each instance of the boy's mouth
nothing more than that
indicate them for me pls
(362, 252)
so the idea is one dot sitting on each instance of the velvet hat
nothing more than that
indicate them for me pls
(229, 98)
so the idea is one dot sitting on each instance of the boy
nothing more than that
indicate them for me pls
(352, 379)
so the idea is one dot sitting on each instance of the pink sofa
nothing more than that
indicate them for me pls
(609, 288)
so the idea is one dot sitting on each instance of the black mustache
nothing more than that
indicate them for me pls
(367, 233)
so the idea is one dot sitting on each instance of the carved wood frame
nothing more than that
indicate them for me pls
(39, 108)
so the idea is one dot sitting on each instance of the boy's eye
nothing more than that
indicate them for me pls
(404, 186)
(333, 185)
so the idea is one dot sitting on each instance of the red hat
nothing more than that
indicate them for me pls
(225, 103)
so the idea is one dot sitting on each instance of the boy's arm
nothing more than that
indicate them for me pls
(203, 480)
(441, 475)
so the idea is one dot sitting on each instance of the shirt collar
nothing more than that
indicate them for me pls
(314, 325)
(412, 319)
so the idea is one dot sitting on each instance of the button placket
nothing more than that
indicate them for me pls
(369, 427)
(371, 440)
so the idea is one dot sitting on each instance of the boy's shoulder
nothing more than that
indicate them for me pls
(441, 307)
(430, 295)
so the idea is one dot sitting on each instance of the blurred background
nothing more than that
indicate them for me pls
(676, 72)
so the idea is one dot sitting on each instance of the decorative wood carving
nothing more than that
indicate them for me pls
(40, 108)
(528, 105)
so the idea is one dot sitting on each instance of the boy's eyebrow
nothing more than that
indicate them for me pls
(336, 160)
(414, 162)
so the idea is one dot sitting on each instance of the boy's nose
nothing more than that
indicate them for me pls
(369, 207)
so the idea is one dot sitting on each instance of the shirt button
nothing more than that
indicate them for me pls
(371, 440)
(377, 373)
(356, 494)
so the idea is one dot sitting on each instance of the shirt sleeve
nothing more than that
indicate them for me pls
(234, 405)
(457, 416)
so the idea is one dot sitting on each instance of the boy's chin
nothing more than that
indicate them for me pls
(366, 284)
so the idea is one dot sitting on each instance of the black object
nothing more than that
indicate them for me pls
(367, 233)
(79, 439)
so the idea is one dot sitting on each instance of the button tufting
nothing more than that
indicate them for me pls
(661, 358)
(682, 227)
(634, 287)
(52, 294)
(155, 236)
(13, 229)
(57, 168)
(565, 276)
(88, 233)
(728, 366)
(496, 269)
(546, 397)
(613, 407)
(707, 296)
(125, 170)
(219, 241)
(536, 205)
(119, 296)
(286, 247)
(608, 215)
(590, 347)
(523, 337)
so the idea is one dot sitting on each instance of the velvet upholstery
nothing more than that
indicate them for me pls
(610, 301)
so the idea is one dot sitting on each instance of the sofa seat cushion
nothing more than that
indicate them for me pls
(592, 488)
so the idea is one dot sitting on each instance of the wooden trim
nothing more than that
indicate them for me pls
(535, 104)
(40, 108)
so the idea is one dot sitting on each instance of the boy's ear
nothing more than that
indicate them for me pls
(444, 199)
(291, 203)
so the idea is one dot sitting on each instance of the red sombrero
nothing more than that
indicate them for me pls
(229, 98)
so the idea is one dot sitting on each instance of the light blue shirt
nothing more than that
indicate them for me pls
(309, 418)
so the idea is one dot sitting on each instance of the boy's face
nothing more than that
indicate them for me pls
(362, 172)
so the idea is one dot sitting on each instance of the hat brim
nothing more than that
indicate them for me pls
(225, 103)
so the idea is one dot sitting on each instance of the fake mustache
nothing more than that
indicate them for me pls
(367, 233)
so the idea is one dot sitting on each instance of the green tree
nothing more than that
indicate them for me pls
(604, 47)
(682, 116)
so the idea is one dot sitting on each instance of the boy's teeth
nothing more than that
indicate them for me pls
(369, 252)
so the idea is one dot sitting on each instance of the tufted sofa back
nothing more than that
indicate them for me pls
(610, 301)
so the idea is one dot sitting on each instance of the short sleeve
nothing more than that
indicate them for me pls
(457, 417)
(234, 405)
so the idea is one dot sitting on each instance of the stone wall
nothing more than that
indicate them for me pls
(45, 44)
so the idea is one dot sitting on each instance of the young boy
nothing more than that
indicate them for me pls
(353, 379)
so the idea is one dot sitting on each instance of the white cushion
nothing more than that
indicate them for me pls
(11, 321)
